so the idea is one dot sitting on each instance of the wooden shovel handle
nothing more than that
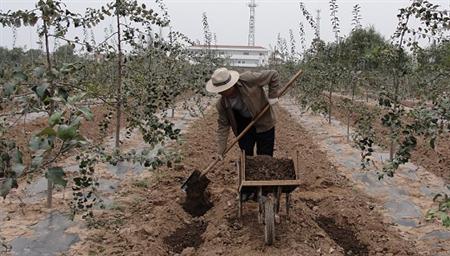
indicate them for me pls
(250, 125)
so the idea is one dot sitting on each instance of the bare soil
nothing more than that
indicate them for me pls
(268, 168)
(345, 237)
(188, 236)
(327, 216)
(436, 160)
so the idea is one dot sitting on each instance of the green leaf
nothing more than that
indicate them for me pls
(18, 169)
(41, 90)
(38, 143)
(87, 113)
(20, 76)
(75, 142)
(88, 47)
(430, 214)
(54, 72)
(39, 72)
(75, 98)
(69, 67)
(55, 118)
(432, 142)
(5, 187)
(9, 89)
(17, 22)
(66, 132)
(33, 19)
(445, 218)
(63, 93)
(446, 222)
(36, 162)
(47, 131)
(17, 157)
(75, 122)
(56, 175)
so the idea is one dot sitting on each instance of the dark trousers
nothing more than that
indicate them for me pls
(264, 141)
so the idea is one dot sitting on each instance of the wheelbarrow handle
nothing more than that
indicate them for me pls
(250, 125)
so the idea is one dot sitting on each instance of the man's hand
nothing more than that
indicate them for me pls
(273, 101)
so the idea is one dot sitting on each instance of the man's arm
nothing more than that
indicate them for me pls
(262, 78)
(223, 129)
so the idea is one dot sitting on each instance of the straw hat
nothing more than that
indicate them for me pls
(221, 80)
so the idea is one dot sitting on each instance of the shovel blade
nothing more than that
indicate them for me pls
(192, 179)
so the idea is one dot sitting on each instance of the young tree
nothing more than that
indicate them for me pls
(51, 92)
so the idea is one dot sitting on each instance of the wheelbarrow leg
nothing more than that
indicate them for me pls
(240, 205)
(288, 203)
(261, 206)
(278, 198)
(277, 204)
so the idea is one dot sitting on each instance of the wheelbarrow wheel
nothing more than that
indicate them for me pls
(269, 221)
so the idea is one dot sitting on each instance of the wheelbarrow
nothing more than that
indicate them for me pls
(268, 195)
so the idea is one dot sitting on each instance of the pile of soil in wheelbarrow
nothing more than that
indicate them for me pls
(268, 168)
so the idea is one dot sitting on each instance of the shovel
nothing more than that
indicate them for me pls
(196, 178)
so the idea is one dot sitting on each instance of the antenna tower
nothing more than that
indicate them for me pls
(318, 24)
(251, 23)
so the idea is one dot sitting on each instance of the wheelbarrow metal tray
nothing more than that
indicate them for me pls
(249, 186)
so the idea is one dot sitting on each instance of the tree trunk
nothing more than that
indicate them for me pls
(330, 102)
(49, 66)
(119, 79)
(392, 145)
(350, 111)
(51, 107)
(49, 193)
(392, 150)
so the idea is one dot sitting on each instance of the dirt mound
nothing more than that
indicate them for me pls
(187, 236)
(268, 168)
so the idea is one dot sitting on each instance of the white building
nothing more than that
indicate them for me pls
(236, 55)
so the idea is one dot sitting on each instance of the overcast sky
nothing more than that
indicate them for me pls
(229, 19)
